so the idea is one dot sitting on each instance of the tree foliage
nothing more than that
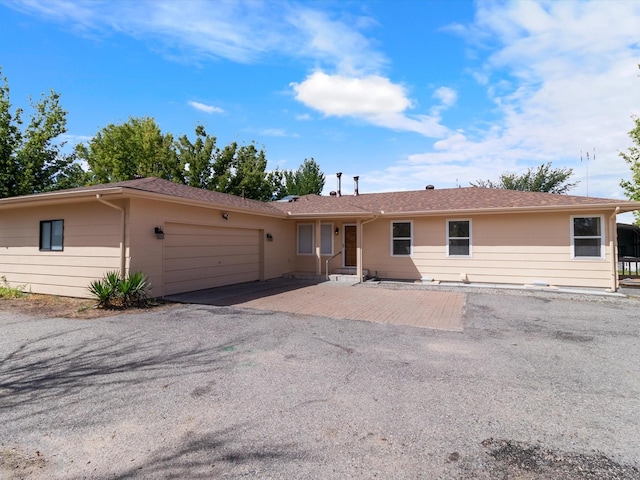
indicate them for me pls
(134, 148)
(31, 160)
(540, 179)
(308, 179)
(632, 157)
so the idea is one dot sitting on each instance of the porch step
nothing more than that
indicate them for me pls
(349, 271)
(337, 277)
(346, 275)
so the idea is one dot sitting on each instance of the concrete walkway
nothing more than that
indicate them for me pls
(417, 308)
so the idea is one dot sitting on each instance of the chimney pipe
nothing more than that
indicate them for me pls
(355, 181)
(339, 175)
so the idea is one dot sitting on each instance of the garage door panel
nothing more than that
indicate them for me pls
(209, 252)
(197, 257)
(172, 240)
(192, 285)
(204, 274)
(209, 262)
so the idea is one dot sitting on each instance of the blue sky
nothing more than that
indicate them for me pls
(402, 93)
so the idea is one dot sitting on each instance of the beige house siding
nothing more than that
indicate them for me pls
(201, 238)
(308, 263)
(517, 249)
(91, 248)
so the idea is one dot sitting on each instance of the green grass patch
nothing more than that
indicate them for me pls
(7, 291)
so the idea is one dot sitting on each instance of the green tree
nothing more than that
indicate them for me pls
(308, 179)
(241, 170)
(276, 179)
(30, 160)
(134, 148)
(197, 159)
(632, 157)
(540, 179)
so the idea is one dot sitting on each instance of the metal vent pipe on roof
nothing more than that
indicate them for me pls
(339, 175)
(355, 188)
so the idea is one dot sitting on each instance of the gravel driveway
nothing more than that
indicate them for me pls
(538, 385)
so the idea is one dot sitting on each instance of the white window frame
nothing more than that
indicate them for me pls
(470, 237)
(312, 252)
(601, 237)
(410, 238)
(322, 245)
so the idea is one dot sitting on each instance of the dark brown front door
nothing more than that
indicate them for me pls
(350, 239)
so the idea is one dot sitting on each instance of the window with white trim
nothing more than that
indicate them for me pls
(459, 238)
(587, 237)
(401, 239)
(52, 235)
(326, 239)
(305, 239)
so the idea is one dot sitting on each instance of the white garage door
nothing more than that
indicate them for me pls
(198, 257)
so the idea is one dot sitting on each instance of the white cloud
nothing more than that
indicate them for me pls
(339, 95)
(277, 132)
(336, 42)
(205, 108)
(373, 98)
(563, 77)
(223, 29)
(446, 95)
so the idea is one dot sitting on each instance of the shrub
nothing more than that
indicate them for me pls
(7, 291)
(114, 291)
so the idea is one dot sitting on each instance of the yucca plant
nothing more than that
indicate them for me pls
(114, 291)
(133, 289)
(105, 291)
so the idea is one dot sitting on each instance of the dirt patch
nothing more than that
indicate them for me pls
(523, 461)
(17, 464)
(64, 307)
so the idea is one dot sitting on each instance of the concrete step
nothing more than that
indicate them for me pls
(337, 277)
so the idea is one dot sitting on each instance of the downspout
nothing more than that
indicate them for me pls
(360, 239)
(122, 232)
(613, 242)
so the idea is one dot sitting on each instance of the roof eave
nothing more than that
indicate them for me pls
(624, 207)
(203, 203)
(57, 196)
(302, 216)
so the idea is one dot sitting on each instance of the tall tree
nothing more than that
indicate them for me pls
(541, 179)
(308, 179)
(134, 148)
(10, 140)
(31, 161)
(632, 157)
(197, 159)
(241, 170)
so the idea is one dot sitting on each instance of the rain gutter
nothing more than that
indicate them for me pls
(122, 231)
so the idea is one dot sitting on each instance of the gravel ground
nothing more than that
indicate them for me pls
(537, 386)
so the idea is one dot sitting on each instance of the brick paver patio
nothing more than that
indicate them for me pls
(414, 307)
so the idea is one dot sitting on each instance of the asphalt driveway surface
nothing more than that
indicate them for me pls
(536, 386)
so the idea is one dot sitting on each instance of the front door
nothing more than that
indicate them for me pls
(349, 250)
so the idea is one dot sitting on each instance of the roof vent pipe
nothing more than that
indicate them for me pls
(429, 187)
(355, 188)
(339, 175)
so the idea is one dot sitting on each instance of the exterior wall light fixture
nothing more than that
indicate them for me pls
(225, 215)
(159, 233)
(337, 231)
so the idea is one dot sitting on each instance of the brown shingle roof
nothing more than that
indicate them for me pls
(449, 200)
(153, 186)
(417, 202)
